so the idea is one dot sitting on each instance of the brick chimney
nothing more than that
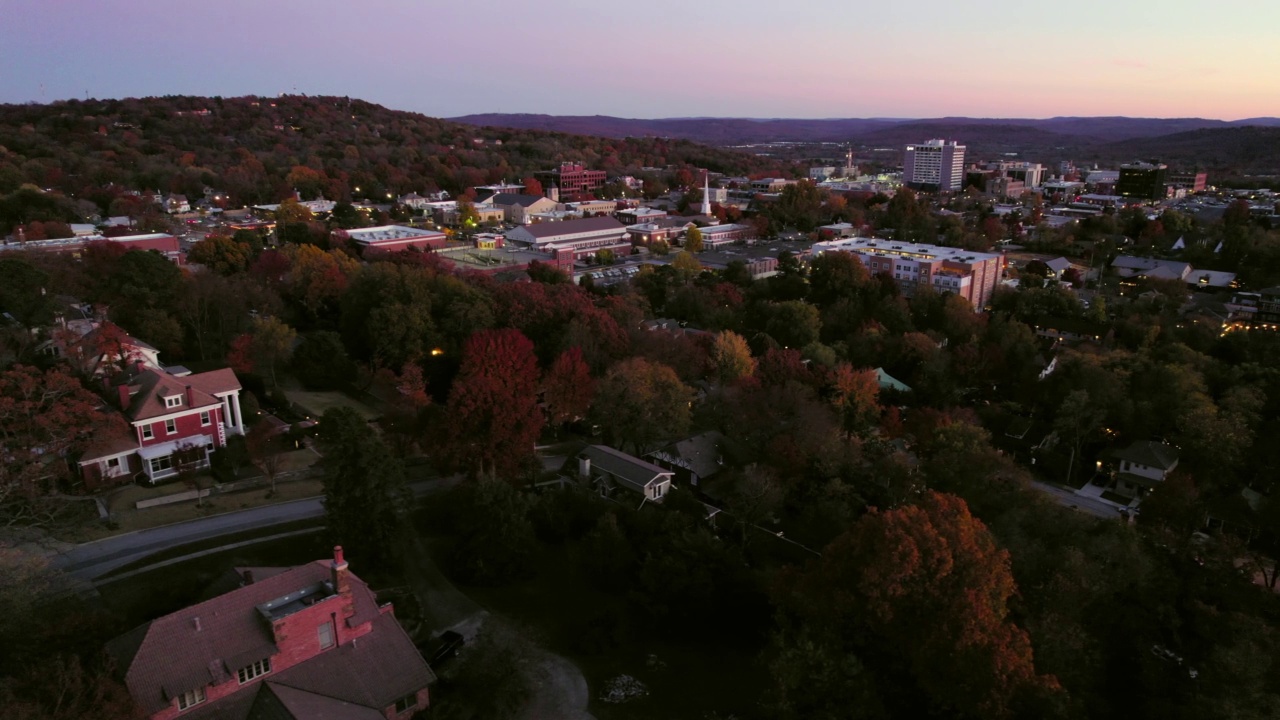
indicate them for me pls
(124, 395)
(247, 577)
(190, 402)
(341, 581)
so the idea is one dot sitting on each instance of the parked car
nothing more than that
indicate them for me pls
(446, 648)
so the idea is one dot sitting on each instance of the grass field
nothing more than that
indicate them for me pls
(317, 401)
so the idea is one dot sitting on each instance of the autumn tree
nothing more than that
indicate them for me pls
(532, 186)
(640, 402)
(364, 487)
(221, 254)
(732, 356)
(865, 599)
(854, 395)
(567, 388)
(268, 345)
(46, 419)
(492, 420)
(693, 240)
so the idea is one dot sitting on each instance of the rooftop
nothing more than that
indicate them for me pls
(918, 251)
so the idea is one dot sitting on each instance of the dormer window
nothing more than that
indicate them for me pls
(173, 401)
(191, 698)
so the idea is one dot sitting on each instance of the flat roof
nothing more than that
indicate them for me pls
(878, 246)
(390, 233)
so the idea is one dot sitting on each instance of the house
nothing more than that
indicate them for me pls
(175, 203)
(306, 642)
(1057, 267)
(1142, 466)
(175, 419)
(608, 469)
(96, 349)
(693, 459)
(889, 382)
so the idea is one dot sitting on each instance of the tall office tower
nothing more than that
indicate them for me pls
(936, 165)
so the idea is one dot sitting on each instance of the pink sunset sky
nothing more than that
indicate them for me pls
(663, 58)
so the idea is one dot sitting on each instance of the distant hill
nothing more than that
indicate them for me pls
(1244, 150)
(1235, 146)
(262, 149)
(752, 130)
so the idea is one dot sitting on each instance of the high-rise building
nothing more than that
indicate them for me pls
(1142, 180)
(937, 165)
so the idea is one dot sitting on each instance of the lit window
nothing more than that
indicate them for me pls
(190, 698)
(170, 426)
(249, 672)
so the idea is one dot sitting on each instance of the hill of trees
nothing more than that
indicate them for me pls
(261, 149)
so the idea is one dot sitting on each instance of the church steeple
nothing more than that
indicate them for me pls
(706, 193)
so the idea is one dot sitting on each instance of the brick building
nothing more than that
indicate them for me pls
(572, 180)
(304, 642)
(175, 421)
(971, 275)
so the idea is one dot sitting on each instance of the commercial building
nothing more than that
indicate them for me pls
(1142, 181)
(935, 166)
(585, 237)
(971, 275)
(395, 238)
(163, 243)
(1193, 182)
(572, 180)
(518, 209)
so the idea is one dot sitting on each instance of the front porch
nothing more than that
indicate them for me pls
(166, 460)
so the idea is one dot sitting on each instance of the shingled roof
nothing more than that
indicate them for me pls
(570, 227)
(1150, 454)
(205, 644)
(148, 388)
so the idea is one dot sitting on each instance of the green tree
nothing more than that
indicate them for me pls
(267, 345)
(364, 488)
(794, 323)
(494, 535)
(221, 254)
(640, 402)
(320, 361)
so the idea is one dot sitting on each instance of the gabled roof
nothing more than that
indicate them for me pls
(148, 388)
(1149, 453)
(570, 227)
(627, 469)
(516, 199)
(205, 643)
(700, 454)
(1058, 265)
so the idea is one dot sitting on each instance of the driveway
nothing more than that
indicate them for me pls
(1081, 503)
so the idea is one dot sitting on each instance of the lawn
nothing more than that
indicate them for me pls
(316, 402)
(686, 678)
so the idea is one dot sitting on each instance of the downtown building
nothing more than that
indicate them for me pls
(914, 266)
(934, 166)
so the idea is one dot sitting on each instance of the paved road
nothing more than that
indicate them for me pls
(1078, 502)
(95, 559)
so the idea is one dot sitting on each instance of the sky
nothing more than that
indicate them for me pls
(664, 58)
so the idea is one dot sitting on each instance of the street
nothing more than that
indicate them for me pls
(94, 559)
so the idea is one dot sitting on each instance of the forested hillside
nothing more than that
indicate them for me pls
(261, 149)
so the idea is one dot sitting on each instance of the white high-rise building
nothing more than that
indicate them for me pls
(937, 165)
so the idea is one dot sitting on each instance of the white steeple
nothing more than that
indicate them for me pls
(706, 193)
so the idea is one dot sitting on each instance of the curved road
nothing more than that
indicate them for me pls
(95, 559)
(1082, 503)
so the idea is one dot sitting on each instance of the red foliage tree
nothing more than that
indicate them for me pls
(567, 388)
(854, 393)
(241, 356)
(934, 560)
(532, 186)
(493, 420)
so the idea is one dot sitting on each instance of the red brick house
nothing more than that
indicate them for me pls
(175, 421)
(308, 642)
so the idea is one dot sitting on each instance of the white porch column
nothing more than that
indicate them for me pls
(235, 401)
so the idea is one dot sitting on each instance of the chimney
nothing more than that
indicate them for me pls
(124, 396)
(190, 402)
(196, 621)
(341, 582)
(584, 466)
(247, 576)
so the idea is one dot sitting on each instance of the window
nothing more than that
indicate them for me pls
(170, 426)
(173, 401)
(326, 635)
(190, 698)
(406, 702)
(147, 433)
(249, 672)
(161, 464)
(204, 419)
(113, 463)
